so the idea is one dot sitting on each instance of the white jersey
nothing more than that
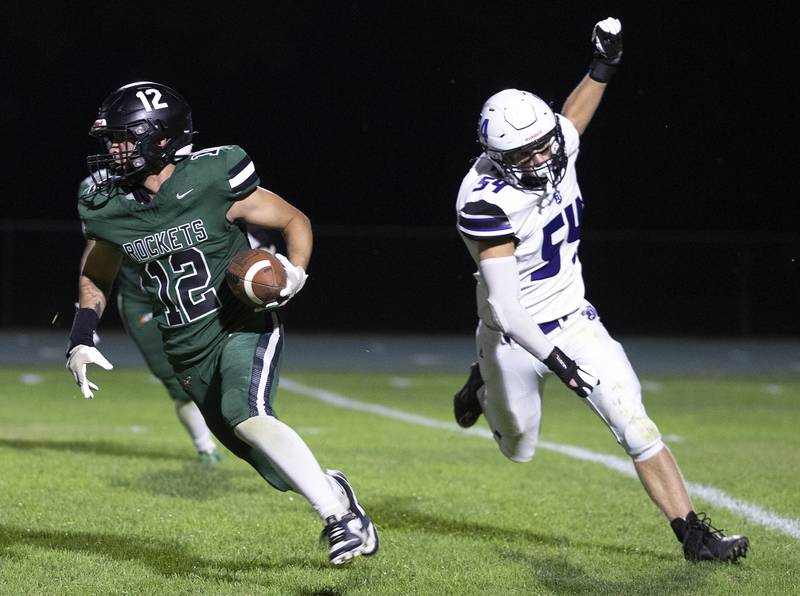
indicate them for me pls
(545, 229)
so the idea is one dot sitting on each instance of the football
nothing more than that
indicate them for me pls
(256, 277)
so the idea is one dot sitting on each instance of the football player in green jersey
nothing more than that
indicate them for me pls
(179, 216)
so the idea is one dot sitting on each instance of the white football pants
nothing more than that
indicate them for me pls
(514, 379)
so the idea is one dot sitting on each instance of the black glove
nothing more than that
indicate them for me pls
(607, 42)
(576, 378)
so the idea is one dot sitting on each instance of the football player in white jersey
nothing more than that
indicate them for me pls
(519, 212)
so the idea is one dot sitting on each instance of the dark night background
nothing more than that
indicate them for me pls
(364, 117)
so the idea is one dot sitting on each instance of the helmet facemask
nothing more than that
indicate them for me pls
(522, 138)
(520, 170)
(128, 164)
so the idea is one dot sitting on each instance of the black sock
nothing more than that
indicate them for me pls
(679, 527)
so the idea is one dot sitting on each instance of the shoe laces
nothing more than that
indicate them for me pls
(704, 523)
(334, 530)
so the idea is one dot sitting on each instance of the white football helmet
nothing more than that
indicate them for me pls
(516, 125)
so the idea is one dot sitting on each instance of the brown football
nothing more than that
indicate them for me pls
(256, 277)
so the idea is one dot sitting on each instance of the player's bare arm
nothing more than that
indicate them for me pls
(488, 249)
(582, 103)
(266, 209)
(99, 266)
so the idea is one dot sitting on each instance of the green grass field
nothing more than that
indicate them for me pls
(105, 496)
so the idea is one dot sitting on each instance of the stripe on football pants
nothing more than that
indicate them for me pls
(265, 363)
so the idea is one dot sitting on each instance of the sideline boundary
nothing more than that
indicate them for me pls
(750, 512)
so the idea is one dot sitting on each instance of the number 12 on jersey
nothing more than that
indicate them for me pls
(183, 290)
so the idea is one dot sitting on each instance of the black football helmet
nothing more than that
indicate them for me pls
(138, 118)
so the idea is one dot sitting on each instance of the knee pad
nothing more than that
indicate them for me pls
(515, 447)
(518, 456)
(642, 439)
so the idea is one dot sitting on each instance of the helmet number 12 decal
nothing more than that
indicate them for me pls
(154, 103)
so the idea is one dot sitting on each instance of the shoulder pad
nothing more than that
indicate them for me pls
(232, 163)
(211, 152)
(85, 187)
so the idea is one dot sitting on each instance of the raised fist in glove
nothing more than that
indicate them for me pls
(77, 359)
(607, 42)
(577, 378)
(295, 280)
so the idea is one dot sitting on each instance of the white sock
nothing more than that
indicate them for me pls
(293, 460)
(194, 423)
(337, 489)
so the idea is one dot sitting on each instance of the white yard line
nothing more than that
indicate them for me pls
(714, 496)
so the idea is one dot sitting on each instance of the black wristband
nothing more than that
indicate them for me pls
(83, 327)
(601, 71)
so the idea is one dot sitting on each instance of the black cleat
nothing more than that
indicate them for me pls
(466, 407)
(704, 542)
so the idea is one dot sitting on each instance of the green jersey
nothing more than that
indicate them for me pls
(129, 284)
(180, 244)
